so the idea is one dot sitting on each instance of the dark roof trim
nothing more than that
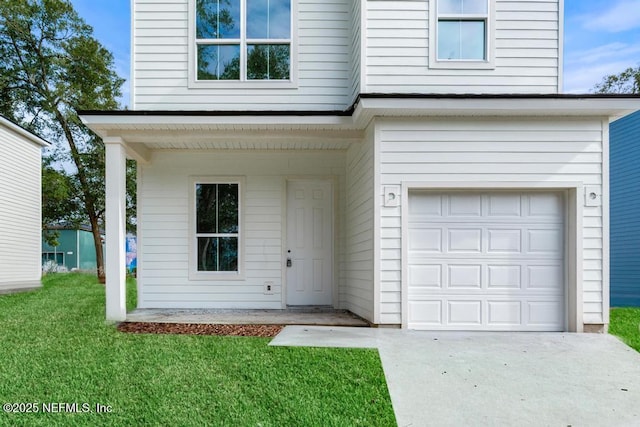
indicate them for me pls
(349, 111)
(35, 138)
(219, 113)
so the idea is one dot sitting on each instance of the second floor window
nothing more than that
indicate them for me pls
(243, 40)
(462, 30)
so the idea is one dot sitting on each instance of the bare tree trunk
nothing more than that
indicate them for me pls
(97, 242)
(89, 201)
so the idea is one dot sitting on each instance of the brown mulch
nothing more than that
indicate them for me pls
(200, 329)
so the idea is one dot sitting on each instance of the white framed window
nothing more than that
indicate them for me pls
(216, 248)
(247, 42)
(461, 34)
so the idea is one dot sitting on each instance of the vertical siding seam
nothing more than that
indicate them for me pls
(605, 223)
(560, 45)
(376, 224)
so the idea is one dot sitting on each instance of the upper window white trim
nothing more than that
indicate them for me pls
(243, 41)
(489, 18)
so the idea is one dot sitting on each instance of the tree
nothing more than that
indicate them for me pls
(627, 81)
(51, 67)
(59, 203)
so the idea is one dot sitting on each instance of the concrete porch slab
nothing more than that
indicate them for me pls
(296, 316)
(497, 379)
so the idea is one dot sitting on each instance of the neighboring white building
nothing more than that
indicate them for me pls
(411, 161)
(20, 207)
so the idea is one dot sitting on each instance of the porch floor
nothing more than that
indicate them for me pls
(291, 316)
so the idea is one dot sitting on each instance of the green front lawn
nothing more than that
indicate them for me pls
(625, 323)
(55, 347)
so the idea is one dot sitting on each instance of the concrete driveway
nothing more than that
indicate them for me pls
(496, 379)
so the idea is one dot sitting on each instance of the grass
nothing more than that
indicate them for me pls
(56, 347)
(625, 324)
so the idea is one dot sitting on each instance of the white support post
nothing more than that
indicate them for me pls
(115, 218)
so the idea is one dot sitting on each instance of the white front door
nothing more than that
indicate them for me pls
(309, 254)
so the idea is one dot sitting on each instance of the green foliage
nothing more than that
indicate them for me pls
(51, 67)
(56, 347)
(625, 324)
(627, 81)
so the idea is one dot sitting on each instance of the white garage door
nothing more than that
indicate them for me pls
(486, 261)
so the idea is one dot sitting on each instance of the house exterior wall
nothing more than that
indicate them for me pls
(358, 291)
(20, 208)
(345, 48)
(163, 232)
(77, 247)
(161, 68)
(68, 245)
(522, 151)
(625, 205)
(527, 48)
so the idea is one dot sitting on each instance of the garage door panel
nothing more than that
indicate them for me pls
(504, 277)
(545, 276)
(501, 205)
(545, 205)
(464, 312)
(544, 313)
(426, 240)
(464, 240)
(426, 312)
(542, 241)
(504, 240)
(497, 262)
(429, 276)
(428, 205)
(466, 205)
(465, 276)
(504, 313)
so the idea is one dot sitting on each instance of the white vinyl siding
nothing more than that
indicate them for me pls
(526, 49)
(161, 68)
(163, 233)
(492, 150)
(358, 292)
(20, 218)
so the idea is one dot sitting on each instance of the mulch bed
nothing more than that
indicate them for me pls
(200, 329)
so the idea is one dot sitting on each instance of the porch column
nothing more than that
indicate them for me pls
(115, 218)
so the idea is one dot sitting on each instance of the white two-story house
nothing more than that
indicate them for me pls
(411, 161)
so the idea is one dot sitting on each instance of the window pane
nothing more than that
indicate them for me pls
(463, 6)
(268, 62)
(268, 19)
(206, 200)
(228, 257)
(218, 19)
(472, 40)
(227, 208)
(217, 254)
(207, 254)
(218, 62)
(461, 40)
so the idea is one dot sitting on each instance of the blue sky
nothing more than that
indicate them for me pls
(601, 37)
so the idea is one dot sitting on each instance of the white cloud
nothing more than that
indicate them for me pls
(623, 16)
(614, 51)
(580, 78)
(583, 69)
